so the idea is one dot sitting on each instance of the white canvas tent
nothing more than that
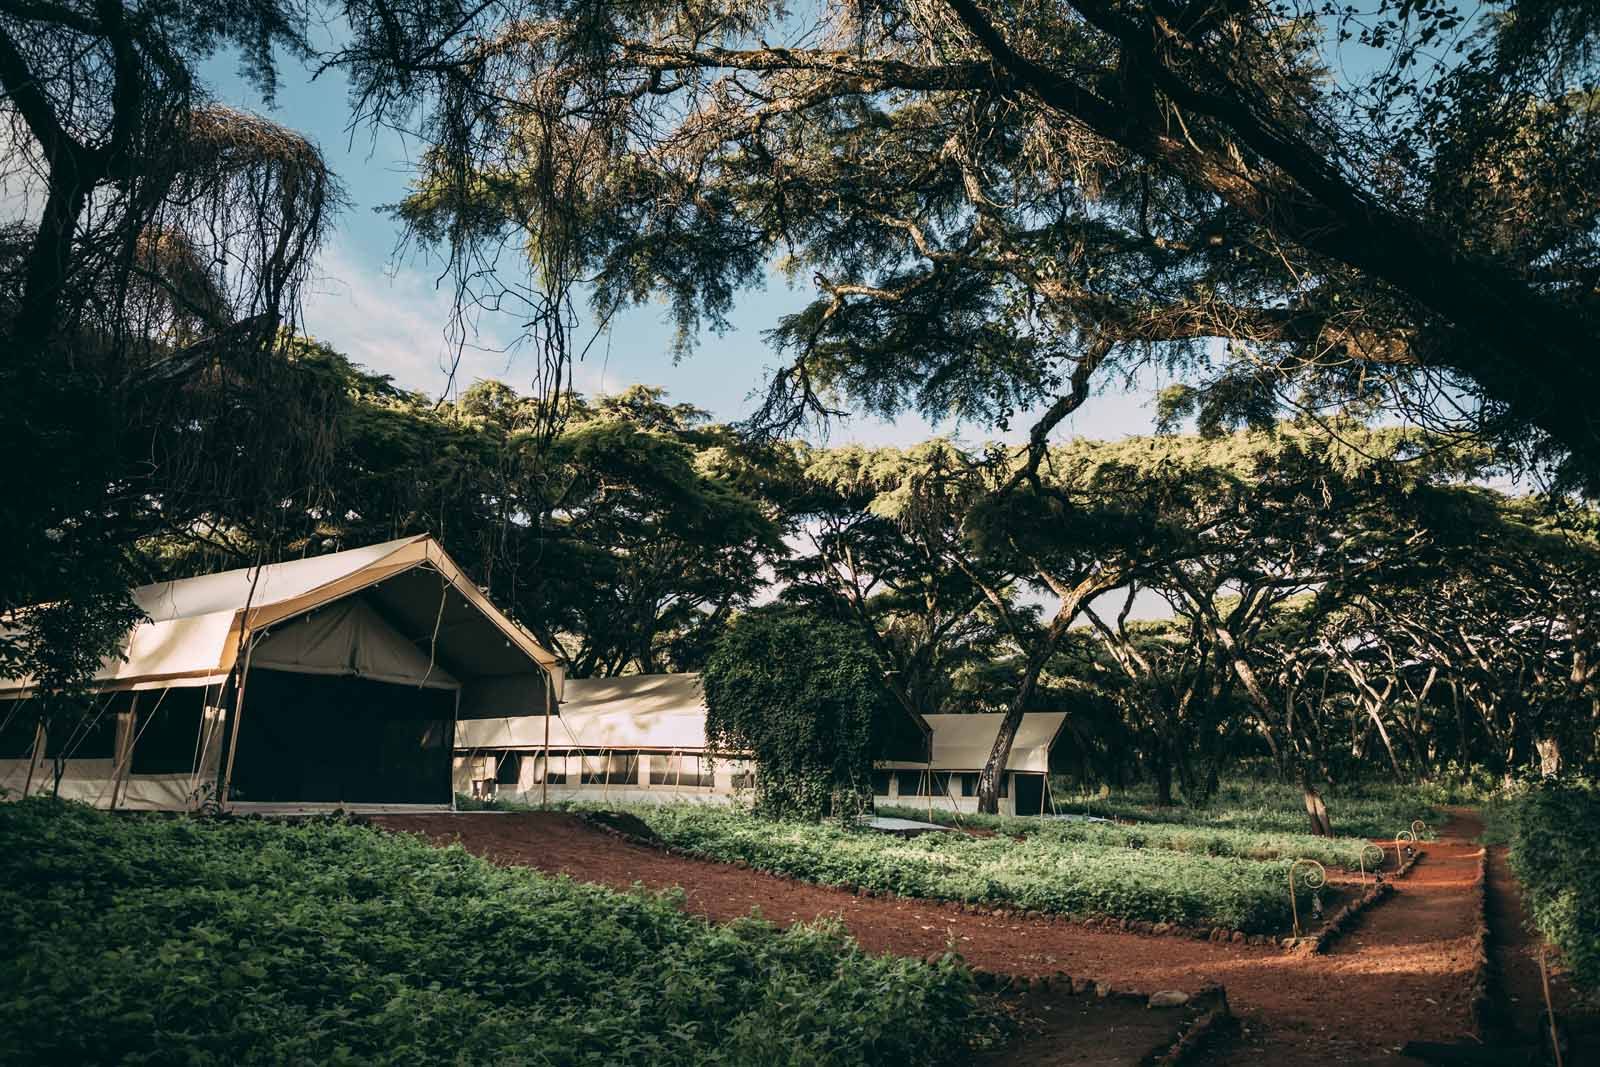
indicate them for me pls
(961, 746)
(334, 679)
(638, 737)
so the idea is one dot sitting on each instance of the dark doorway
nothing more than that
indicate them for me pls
(328, 739)
(1030, 794)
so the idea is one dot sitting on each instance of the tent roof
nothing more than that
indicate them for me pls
(962, 742)
(657, 711)
(187, 598)
(193, 633)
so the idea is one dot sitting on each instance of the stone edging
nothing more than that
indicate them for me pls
(1342, 920)
(1483, 976)
(1347, 916)
(1211, 1000)
(1193, 1038)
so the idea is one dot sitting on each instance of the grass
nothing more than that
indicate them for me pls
(176, 940)
(1043, 871)
(1197, 840)
(1359, 810)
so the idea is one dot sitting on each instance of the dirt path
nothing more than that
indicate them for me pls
(1401, 975)
(1520, 1016)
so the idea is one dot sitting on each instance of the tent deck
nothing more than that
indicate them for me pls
(243, 807)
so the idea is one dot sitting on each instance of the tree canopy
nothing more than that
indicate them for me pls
(1295, 206)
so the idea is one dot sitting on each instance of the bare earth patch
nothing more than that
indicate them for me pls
(1402, 974)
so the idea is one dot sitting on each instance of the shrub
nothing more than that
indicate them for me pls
(132, 939)
(1554, 832)
(803, 695)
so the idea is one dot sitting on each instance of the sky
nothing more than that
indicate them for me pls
(389, 312)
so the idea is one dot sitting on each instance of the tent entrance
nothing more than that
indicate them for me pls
(308, 738)
(1029, 789)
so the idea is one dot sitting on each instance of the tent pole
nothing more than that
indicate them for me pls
(33, 757)
(544, 774)
(125, 735)
(230, 736)
(450, 747)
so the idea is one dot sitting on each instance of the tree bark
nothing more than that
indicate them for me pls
(1316, 810)
(1162, 769)
(1549, 749)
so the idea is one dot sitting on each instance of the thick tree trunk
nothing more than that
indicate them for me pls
(1549, 749)
(1000, 754)
(1316, 810)
(1162, 768)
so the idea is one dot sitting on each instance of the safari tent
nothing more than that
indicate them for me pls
(331, 680)
(639, 737)
(961, 745)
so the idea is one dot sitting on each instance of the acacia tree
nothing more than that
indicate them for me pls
(624, 543)
(1488, 640)
(922, 614)
(1173, 692)
(1035, 554)
(998, 205)
(150, 263)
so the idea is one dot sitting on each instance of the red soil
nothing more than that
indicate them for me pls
(1522, 1017)
(1402, 974)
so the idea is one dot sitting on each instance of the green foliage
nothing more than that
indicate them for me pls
(1367, 809)
(1054, 872)
(624, 543)
(182, 941)
(1554, 831)
(1200, 839)
(804, 696)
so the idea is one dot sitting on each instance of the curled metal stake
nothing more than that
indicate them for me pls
(1377, 869)
(1418, 828)
(1408, 840)
(1315, 877)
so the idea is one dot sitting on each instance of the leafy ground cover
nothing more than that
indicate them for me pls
(1040, 872)
(1199, 840)
(1363, 810)
(1553, 829)
(174, 940)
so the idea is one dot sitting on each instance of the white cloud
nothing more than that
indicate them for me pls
(394, 323)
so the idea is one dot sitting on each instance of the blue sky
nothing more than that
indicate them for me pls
(389, 314)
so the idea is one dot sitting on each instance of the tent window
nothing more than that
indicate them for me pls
(911, 783)
(681, 771)
(167, 730)
(880, 783)
(1005, 785)
(90, 733)
(618, 768)
(17, 728)
(969, 784)
(557, 770)
(509, 771)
